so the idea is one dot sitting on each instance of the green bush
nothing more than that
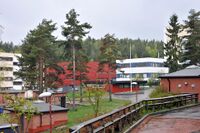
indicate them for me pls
(159, 92)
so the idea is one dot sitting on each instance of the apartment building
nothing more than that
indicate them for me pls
(140, 69)
(8, 67)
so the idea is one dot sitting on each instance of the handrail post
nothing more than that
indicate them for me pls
(146, 105)
(90, 128)
(196, 97)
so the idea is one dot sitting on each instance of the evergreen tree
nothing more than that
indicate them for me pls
(191, 43)
(109, 53)
(37, 55)
(173, 46)
(1, 31)
(74, 31)
(9, 47)
(91, 47)
(82, 69)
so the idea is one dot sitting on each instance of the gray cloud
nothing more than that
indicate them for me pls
(144, 19)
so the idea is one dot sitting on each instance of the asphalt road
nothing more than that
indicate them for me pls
(133, 97)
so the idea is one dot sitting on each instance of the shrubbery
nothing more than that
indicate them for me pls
(159, 92)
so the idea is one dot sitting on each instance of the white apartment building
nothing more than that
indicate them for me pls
(8, 67)
(141, 69)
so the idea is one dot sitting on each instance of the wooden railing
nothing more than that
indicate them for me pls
(117, 120)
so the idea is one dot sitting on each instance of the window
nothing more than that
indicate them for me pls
(16, 63)
(133, 75)
(133, 64)
(149, 75)
(121, 86)
(118, 75)
(6, 58)
(6, 68)
(126, 85)
(17, 83)
(5, 88)
(119, 65)
(154, 75)
(148, 64)
(127, 65)
(144, 75)
(7, 78)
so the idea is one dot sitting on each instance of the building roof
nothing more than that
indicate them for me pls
(43, 107)
(6, 125)
(139, 60)
(191, 71)
(128, 82)
(12, 91)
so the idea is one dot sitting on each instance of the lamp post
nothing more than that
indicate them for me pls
(130, 70)
(48, 94)
(136, 97)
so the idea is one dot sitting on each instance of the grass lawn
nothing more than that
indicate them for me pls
(85, 112)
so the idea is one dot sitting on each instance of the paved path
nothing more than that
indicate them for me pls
(184, 121)
(144, 94)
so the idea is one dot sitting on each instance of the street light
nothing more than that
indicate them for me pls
(48, 94)
(130, 70)
(135, 83)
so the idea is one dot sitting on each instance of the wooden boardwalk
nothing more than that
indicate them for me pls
(182, 121)
(119, 120)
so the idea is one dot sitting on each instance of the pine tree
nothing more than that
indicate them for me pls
(37, 54)
(173, 46)
(74, 31)
(191, 54)
(109, 54)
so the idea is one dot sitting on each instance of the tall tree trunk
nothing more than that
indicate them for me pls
(21, 123)
(40, 79)
(74, 74)
(81, 92)
(109, 87)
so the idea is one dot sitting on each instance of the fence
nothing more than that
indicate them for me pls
(118, 120)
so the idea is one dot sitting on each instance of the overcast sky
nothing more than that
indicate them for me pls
(145, 19)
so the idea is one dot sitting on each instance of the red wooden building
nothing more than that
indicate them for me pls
(183, 81)
(41, 120)
(124, 86)
(93, 77)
